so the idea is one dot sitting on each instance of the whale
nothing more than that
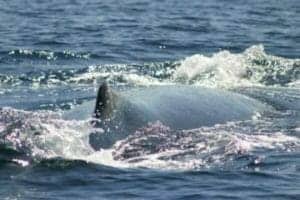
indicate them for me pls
(179, 107)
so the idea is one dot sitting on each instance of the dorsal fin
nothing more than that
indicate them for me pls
(104, 102)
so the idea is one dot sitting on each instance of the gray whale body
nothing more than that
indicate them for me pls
(177, 106)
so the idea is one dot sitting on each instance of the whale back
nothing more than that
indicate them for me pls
(188, 107)
(179, 107)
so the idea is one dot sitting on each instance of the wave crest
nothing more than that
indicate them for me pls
(252, 67)
(46, 55)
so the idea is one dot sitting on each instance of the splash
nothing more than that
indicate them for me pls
(253, 67)
(159, 147)
(44, 135)
(133, 75)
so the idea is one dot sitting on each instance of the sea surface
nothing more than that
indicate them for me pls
(55, 54)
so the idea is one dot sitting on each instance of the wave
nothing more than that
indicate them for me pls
(20, 54)
(157, 146)
(43, 134)
(253, 67)
(34, 137)
(118, 74)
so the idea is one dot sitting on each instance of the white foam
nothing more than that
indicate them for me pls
(253, 67)
(203, 147)
(23, 163)
(43, 54)
(224, 69)
(49, 136)
(138, 80)
(119, 78)
(295, 84)
(49, 55)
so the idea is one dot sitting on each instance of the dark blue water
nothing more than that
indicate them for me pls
(54, 55)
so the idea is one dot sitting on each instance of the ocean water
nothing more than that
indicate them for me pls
(55, 54)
